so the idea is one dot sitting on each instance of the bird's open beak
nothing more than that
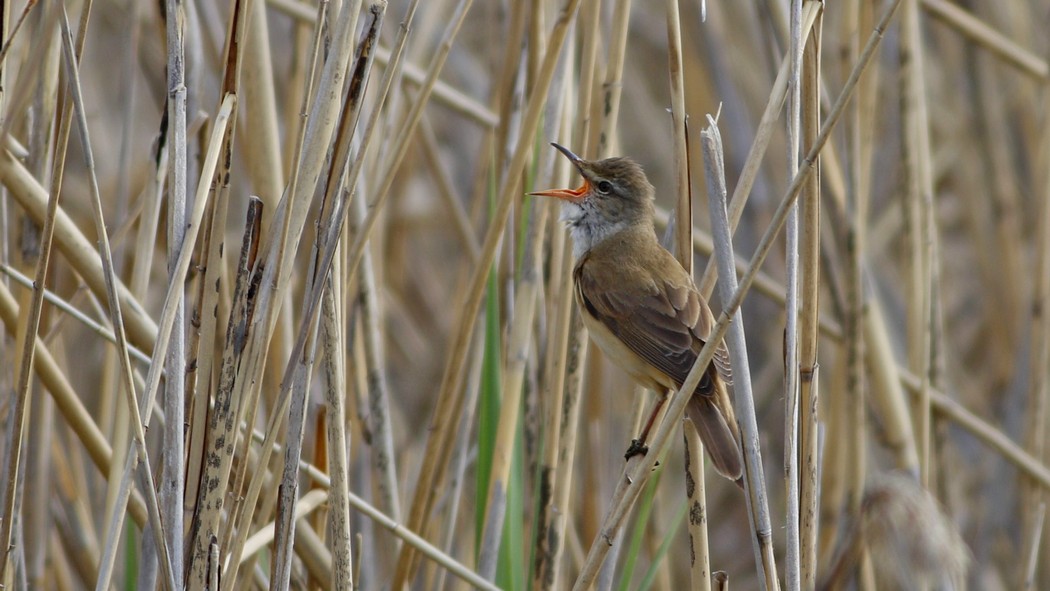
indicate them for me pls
(574, 195)
(566, 194)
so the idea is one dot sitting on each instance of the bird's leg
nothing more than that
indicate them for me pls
(638, 446)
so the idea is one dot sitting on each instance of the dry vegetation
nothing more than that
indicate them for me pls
(386, 384)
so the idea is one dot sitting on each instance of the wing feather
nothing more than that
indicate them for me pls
(666, 324)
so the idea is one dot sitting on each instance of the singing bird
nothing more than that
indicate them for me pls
(640, 305)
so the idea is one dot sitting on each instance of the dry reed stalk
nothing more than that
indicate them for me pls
(696, 497)
(461, 221)
(612, 88)
(754, 474)
(38, 432)
(68, 401)
(169, 314)
(1033, 544)
(1039, 382)
(919, 213)
(847, 464)
(683, 240)
(263, 152)
(568, 426)
(116, 316)
(763, 135)
(383, 452)
(636, 473)
(507, 91)
(554, 465)
(27, 327)
(297, 377)
(765, 285)
(75, 247)
(792, 569)
(273, 272)
(338, 446)
(450, 397)
(809, 384)
(68, 308)
(224, 415)
(985, 36)
(699, 558)
(172, 492)
(458, 478)
(1006, 270)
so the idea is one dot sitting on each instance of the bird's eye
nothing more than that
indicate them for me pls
(604, 187)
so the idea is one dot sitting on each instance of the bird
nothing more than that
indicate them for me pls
(640, 305)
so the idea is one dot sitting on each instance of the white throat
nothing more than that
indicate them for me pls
(586, 227)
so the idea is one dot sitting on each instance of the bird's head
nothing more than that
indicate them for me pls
(615, 194)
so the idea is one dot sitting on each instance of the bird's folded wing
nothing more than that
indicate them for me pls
(664, 324)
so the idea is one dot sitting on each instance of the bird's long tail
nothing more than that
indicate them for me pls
(717, 433)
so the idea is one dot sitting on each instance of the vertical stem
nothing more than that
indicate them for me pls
(172, 486)
(791, 385)
(683, 238)
(448, 398)
(700, 560)
(808, 457)
(854, 326)
(1039, 384)
(919, 206)
(696, 497)
(754, 475)
(35, 250)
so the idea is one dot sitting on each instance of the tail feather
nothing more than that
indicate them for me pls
(718, 436)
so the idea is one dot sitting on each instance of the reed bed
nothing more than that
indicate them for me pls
(278, 314)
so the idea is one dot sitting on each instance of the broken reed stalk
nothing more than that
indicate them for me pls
(754, 474)
(763, 134)
(273, 272)
(173, 487)
(297, 372)
(211, 288)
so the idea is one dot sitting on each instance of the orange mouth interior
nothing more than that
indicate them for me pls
(566, 194)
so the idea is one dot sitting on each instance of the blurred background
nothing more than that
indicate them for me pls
(471, 409)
